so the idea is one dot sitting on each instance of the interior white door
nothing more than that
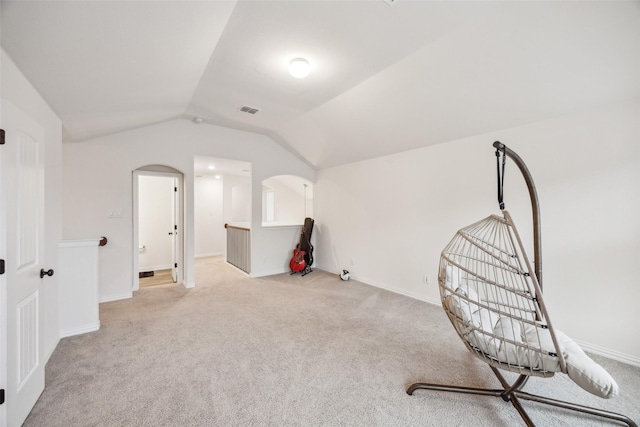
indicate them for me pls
(23, 222)
(174, 235)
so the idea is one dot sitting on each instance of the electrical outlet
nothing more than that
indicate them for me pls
(114, 213)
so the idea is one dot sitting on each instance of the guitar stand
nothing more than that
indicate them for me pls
(304, 272)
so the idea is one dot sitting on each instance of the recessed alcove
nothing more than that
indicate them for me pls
(286, 200)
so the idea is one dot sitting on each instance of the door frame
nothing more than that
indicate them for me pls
(179, 178)
(3, 282)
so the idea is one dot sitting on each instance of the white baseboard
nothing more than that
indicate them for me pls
(264, 273)
(115, 297)
(51, 350)
(609, 354)
(80, 330)
(208, 255)
(386, 287)
(155, 268)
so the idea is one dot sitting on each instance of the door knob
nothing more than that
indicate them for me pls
(46, 273)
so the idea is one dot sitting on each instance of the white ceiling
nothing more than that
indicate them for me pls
(384, 78)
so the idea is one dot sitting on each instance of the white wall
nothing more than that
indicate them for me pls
(229, 206)
(155, 222)
(387, 219)
(78, 293)
(241, 203)
(208, 221)
(17, 89)
(97, 177)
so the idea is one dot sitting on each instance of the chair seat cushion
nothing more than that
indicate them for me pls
(521, 343)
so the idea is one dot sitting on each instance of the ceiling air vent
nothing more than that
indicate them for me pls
(250, 110)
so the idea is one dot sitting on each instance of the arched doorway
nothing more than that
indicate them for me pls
(158, 237)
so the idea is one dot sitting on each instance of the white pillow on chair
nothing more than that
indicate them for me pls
(581, 368)
(584, 371)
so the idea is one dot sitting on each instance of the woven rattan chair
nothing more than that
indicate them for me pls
(493, 297)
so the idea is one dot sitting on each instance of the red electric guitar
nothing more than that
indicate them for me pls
(303, 253)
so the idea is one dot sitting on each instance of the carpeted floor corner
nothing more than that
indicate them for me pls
(285, 351)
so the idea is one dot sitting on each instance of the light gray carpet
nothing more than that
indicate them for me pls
(285, 351)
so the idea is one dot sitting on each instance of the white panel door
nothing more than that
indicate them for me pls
(22, 221)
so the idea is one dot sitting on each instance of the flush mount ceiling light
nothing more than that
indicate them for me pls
(299, 68)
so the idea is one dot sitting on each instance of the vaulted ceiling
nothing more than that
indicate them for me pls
(387, 76)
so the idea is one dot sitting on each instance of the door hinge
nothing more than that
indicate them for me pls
(1, 136)
(1, 266)
(175, 265)
(175, 227)
(1, 396)
(175, 189)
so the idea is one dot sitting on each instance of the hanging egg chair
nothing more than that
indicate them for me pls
(492, 294)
